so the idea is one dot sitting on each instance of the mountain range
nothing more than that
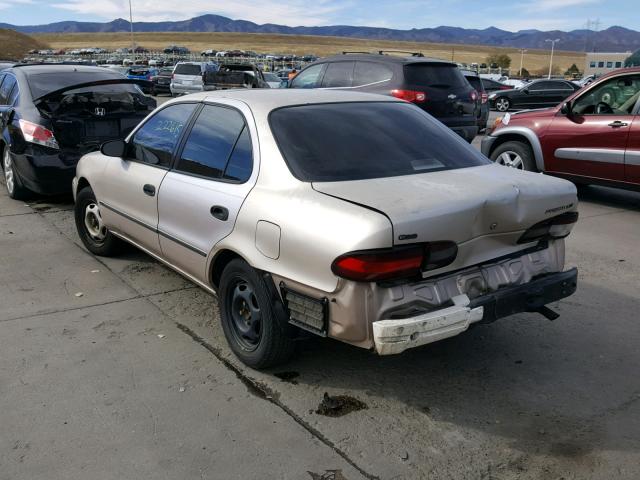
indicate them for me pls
(613, 39)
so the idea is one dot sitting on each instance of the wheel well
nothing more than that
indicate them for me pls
(218, 265)
(83, 182)
(510, 137)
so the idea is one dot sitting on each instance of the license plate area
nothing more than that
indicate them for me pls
(102, 128)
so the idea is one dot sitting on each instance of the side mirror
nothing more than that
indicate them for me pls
(114, 148)
(566, 109)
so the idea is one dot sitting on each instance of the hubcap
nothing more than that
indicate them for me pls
(8, 171)
(93, 223)
(245, 315)
(511, 159)
(502, 104)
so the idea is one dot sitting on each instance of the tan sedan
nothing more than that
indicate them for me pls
(353, 216)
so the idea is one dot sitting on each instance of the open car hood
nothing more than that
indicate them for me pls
(116, 81)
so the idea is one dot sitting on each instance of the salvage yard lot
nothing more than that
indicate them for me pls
(534, 60)
(118, 368)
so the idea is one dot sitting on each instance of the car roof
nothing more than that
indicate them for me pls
(400, 59)
(262, 101)
(53, 68)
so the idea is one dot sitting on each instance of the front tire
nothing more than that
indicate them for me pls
(252, 325)
(503, 104)
(516, 155)
(91, 230)
(12, 181)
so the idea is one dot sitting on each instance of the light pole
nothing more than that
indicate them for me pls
(522, 52)
(133, 45)
(553, 44)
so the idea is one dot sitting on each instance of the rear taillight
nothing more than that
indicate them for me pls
(34, 133)
(394, 263)
(410, 95)
(484, 97)
(474, 96)
(552, 228)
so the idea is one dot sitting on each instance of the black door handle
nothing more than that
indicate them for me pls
(221, 213)
(618, 124)
(149, 190)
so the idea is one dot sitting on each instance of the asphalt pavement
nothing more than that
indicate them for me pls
(118, 368)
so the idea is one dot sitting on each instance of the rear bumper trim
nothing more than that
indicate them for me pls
(395, 336)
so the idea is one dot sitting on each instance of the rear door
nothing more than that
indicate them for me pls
(129, 186)
(200, 198)
(591, 142)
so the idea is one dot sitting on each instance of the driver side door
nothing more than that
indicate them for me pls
(591, 141)
(129, 186)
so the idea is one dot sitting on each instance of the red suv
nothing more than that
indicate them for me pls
(593, 137)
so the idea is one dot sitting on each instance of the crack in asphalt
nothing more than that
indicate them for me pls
(92, 305)
(264, 392)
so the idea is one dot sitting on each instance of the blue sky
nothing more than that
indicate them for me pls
(510, 15)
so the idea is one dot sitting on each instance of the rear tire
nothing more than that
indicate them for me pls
(94, 235)
(255, 331)
(12, 181)
(515, 154)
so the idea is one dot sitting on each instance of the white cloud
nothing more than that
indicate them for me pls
(296, 12)
(547, 5)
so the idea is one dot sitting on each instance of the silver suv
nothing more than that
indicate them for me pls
(188, 77)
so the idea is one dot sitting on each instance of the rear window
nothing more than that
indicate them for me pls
(436, 75)
(138, 73)
(356, 141)
(188, 69)
(42, 83)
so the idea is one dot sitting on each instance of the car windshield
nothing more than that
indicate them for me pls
(41, 84)
(271, 77)
(356, 141)
(188, 69)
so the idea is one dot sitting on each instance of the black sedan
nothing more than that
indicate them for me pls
(51, 115)
(161, 82)
(536, 94)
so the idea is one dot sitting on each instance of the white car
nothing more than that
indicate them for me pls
(349, 215)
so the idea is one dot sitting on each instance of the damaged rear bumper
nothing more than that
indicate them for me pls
(397, 335)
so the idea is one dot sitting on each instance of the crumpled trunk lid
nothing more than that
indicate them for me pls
(83, 121)
(461, 204)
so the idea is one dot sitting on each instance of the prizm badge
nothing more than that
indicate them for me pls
(100, 112)
(559, 209)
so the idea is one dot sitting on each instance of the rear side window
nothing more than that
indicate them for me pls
(338, 74)
(218, 146)
(188, 69)
(475, 83)
(436, 75)
(5, 89)
(370, 72)
(327, 142)
(156, 140)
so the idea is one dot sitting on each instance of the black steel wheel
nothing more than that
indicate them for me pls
(252, 318)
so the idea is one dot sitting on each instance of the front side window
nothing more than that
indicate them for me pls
(156, 140)
(218, 146)
(616, 96)
(327, 142)
(338, 74)
(308, 78)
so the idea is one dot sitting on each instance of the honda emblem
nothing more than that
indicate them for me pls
(100, 112)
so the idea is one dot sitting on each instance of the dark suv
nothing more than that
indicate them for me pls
(436, 86)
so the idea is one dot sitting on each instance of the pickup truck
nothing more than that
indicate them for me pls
(235, 76)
